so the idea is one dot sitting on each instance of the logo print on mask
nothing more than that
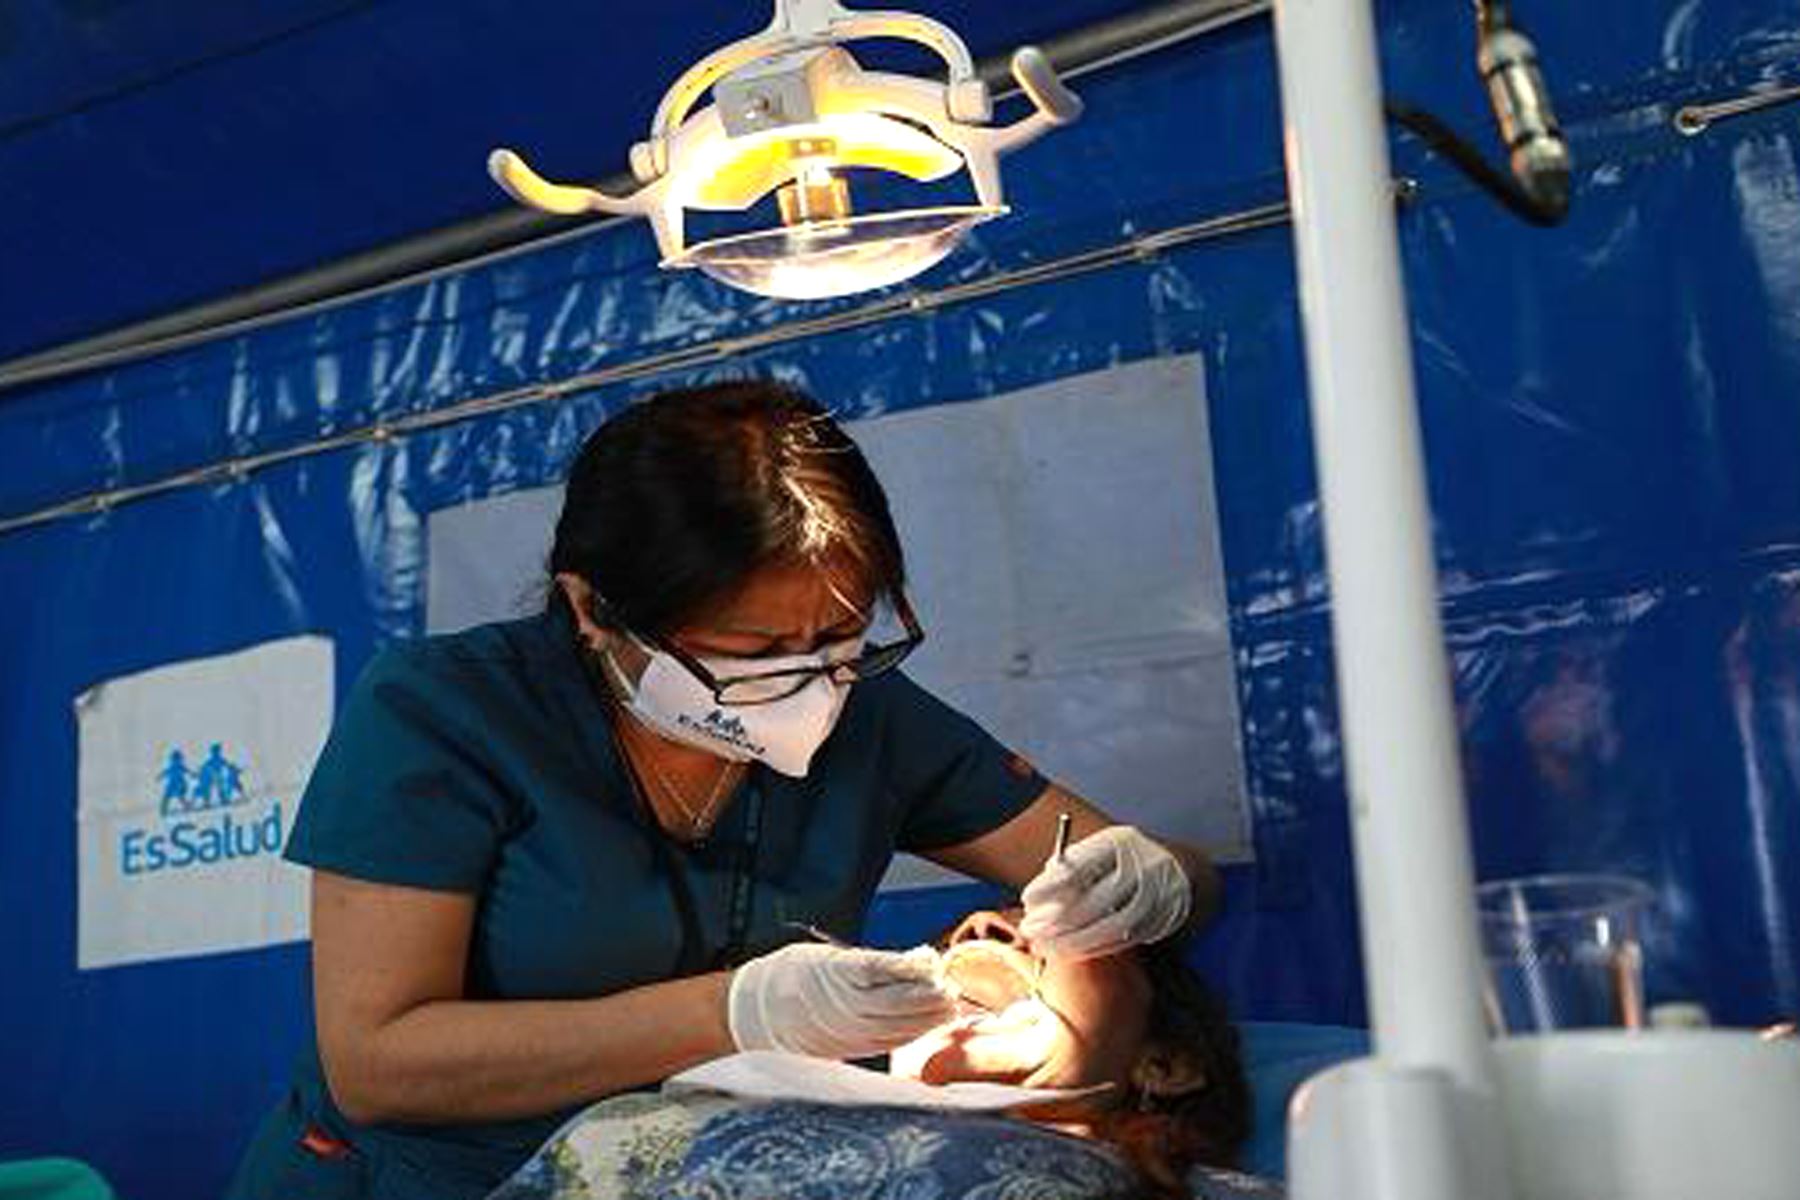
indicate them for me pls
(722, 727)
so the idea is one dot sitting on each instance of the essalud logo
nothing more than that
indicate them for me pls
(726, 727)
(203, 818)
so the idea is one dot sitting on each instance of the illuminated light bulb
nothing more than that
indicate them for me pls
(731, 174)
(816, 195)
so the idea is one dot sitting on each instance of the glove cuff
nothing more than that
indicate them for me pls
(1175, 890)
(743, 1011)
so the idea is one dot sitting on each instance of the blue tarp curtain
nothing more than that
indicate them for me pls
(1611, 419)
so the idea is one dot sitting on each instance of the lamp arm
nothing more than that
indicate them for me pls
(799, 24)
(1054, 106)
(529, 188)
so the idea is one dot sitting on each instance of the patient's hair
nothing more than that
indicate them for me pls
(1165, 1136)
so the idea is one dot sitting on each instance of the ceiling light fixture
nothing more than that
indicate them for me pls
(792, 113)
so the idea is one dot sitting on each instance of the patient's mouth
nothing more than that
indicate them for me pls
(990, 1048)
(1005, 1032)
(981, 1046)
(988, 974)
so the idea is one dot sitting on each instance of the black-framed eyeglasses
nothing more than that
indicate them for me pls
(764, 687)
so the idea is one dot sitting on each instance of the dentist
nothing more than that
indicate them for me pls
(572, 855)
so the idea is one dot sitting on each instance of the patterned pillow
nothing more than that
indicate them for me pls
(1210, 1183)
(698, 1146)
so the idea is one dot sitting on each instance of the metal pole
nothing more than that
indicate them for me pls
(1414, 875)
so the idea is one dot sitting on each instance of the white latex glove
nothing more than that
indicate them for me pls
(835, 1001)
(1115, 889)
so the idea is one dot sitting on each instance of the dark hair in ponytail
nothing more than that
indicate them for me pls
(674, 502)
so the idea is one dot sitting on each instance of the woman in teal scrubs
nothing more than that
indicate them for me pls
(572, 855)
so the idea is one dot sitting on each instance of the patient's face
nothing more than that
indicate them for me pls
(1088, 1029)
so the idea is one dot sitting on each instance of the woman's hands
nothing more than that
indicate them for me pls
(1113, 889)
(835, 1001)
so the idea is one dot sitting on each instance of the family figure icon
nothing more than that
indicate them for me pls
(216, 783)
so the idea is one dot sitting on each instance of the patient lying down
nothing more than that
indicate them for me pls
(1140, 1029)
(1142, 1023)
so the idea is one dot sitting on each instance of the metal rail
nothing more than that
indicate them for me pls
(1131, 250)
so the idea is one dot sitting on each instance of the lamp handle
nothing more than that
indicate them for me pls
(1038, 79)
(529, 188)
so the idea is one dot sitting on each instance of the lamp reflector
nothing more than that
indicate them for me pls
(815, 260)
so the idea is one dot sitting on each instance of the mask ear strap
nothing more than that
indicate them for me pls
(606, 616)
(614, 675)
(621, 683)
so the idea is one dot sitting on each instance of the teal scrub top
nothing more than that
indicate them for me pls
(482, 762)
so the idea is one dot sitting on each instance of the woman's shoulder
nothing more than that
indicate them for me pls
(487, 705)
(514, 665)
(887, 690)
(499, 646)
(896, 697)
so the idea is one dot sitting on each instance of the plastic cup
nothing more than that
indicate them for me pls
(1563, 952)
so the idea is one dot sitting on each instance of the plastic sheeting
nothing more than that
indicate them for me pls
(1610, 415)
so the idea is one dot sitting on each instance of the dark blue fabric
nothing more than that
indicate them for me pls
(1609, 410)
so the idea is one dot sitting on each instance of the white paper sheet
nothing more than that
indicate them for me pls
(190, 774)
(771, 1075)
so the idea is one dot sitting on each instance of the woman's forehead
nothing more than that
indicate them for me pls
(781, 600)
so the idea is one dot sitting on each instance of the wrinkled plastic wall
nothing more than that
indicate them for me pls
(1612, 412)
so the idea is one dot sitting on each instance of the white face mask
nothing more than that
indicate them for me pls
(783, 733)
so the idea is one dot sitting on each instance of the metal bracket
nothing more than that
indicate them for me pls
(1692, 120)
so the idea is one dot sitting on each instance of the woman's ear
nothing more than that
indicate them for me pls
(581, 602)
(1166, 1072)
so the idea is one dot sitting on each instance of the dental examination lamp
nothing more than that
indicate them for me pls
(793, 113)
(1441, 1111)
